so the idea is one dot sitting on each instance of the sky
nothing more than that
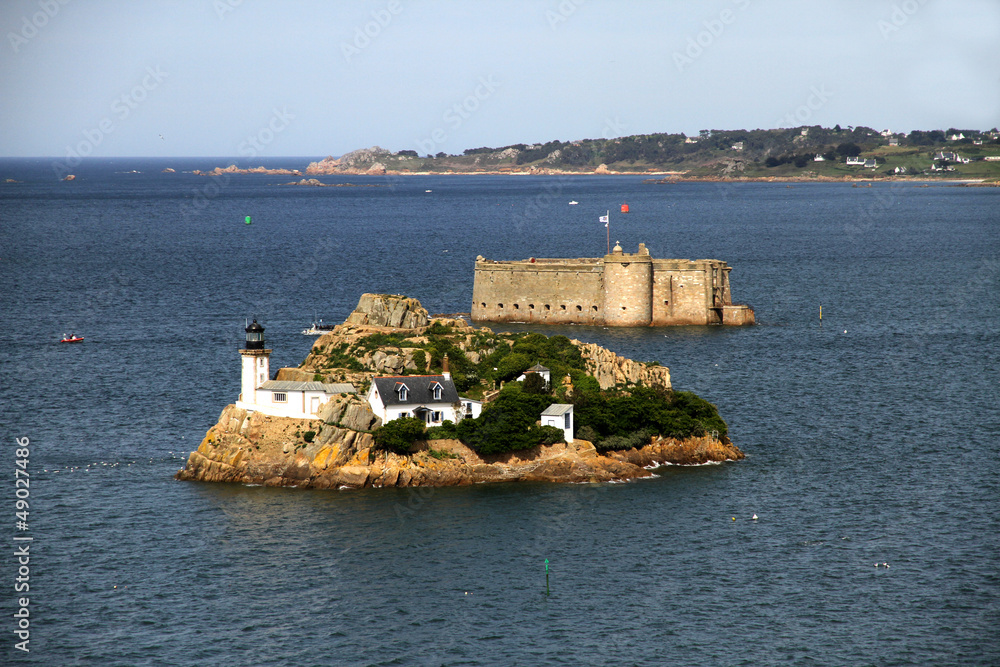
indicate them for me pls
(267, 78)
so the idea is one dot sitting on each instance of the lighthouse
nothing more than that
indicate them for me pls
(256, 364)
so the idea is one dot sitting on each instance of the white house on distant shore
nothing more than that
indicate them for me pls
(279, 398)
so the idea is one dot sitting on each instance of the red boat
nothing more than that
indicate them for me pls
(72, 338)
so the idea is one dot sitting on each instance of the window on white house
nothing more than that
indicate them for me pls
(403, 393)
(435, 417)
(280, 397)
(404, 414)
(566, 420)
(437, 392)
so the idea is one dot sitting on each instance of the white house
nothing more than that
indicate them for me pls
(738, 146)
(855, 161)
(819, 158)
(893, 141)
(956, 137)
(560, 415)
(300, 400)
(432, 398)
(541, 370)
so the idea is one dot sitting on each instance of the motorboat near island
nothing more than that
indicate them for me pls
(317, 329)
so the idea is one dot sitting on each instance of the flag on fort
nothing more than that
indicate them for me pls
(605, 219)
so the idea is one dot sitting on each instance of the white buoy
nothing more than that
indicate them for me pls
(754, 517)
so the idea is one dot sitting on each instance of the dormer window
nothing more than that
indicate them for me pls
(402, 391)
(436, 390)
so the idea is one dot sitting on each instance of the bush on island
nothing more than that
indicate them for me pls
(399, 435)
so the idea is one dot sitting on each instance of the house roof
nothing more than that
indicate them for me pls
(537, 368)
(557, 409)
(289, 385)
(419, 389)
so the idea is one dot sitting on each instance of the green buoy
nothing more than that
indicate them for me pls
(247, 220)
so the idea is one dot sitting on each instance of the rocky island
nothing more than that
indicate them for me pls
(626, 415)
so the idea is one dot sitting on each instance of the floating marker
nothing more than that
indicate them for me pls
(247, 220)
(546, 576)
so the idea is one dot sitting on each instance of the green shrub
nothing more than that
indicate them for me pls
(308, 436)
(534, 383)
(446, 431)
(636, 439)
(508, 423)
(317, 377)
(399, 435)
(420, 360)
(440, 454)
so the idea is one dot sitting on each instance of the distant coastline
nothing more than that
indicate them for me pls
(802, 154)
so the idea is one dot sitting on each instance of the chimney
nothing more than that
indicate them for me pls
(445, 371)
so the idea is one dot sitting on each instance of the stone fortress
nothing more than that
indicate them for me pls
(620, 289)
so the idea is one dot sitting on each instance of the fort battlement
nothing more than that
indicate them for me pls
(619, 289)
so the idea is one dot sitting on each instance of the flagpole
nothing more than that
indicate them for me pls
(607, 226)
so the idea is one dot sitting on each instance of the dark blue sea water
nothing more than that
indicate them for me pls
(871, 438)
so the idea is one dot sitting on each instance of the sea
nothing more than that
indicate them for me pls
(871, 435)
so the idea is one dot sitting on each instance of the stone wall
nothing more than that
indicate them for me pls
(620, 289)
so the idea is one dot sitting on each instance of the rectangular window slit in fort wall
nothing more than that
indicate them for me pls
(517, 306)
(579, 308)
(548, 307)
(482, 305)
(531, 306)
(594, 308)
(500, 306)
(562, 307)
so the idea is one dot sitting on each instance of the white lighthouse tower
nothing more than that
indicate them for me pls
(256, 364)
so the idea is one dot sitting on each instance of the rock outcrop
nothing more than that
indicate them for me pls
(335, 451)
(389, 310)
(610, 369)
(233, 169)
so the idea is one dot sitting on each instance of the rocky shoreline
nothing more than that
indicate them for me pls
(253, 448)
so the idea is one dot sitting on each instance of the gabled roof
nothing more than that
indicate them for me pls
(419, 389)
(557, 409)
(537, 368)
(290, 385)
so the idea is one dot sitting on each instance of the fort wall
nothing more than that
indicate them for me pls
(620, 289)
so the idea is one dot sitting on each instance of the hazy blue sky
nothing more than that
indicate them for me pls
(262, 77)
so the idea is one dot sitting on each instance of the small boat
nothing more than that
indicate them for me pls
(71, 338)
(317, 329)
(574, 203)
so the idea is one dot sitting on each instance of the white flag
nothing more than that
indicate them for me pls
(604, 219)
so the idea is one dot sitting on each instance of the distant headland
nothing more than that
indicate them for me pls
(393, 397)
(807, 153)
